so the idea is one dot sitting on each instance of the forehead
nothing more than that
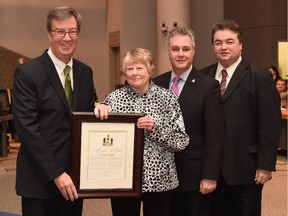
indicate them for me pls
(180, 40)
(70, 22)
(225, 35)
(134, 64)
(281, 82)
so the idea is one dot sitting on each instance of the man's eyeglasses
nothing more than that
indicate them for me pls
(62, 32)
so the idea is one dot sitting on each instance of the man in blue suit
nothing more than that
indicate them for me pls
(252, 120)
(43, 119)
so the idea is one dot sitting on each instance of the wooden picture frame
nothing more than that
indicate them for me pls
(107, 155)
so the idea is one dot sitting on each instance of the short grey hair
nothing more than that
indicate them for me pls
(182, 31)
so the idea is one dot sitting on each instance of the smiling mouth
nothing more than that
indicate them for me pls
(66, 45)
(224, 53)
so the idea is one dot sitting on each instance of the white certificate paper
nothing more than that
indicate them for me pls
(107, 155)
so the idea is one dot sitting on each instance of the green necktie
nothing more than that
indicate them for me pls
(67, 85)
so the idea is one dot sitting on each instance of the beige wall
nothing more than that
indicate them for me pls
(263, 23)
(23, 29)
(169, 12)
(135, 20)
(203, 15)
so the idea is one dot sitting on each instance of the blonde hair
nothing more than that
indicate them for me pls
(139, 56)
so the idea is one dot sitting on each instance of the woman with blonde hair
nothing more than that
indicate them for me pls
(164, 134)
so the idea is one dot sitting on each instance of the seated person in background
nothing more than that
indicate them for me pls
(282, 90)
(5, 110)
(274, 73)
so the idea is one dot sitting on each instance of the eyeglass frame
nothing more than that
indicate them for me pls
(62, 31)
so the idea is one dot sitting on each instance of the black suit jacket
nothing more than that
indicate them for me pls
(43, 122)
(203, 114)
(253, 121)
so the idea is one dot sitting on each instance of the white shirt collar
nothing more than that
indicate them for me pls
(183, 76)
(230, 70)
(59, 65)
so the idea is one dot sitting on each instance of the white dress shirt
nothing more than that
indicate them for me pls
(59, 65)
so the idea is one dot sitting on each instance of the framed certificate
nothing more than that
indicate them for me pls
(107, 155)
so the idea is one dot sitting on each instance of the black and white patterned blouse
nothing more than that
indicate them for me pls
(168, 135)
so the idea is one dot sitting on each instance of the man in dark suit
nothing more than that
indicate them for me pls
(198, 166)
(43, 119)
(253, 121)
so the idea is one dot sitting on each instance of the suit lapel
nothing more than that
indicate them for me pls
(55, 82)
(188, 86)
(212, 70)
(164, 81)
(77, 82)
(239, 73)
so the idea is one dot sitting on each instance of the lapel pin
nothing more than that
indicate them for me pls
(193, 81)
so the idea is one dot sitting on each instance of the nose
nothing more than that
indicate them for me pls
(67, 36)
(134, 71)
(180, 52)
(223, 45)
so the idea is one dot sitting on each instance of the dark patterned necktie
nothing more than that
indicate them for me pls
(174, 86)
(223, 82)
(67, 85)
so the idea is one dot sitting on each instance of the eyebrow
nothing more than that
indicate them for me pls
(225, 39)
